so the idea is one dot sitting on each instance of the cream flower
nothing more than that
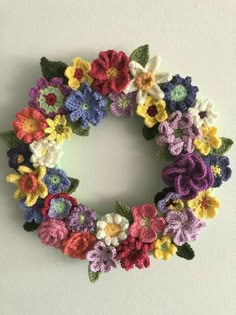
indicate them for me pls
(203, 113)
(112, 229)
(45, 153)
(146, 80)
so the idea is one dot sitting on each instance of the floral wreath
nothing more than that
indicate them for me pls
(69, 99)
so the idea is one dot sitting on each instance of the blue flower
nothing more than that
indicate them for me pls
(220, 168)
(85, 106)
(179, 93)
(56, 180)
(32, 213)
(19, 156)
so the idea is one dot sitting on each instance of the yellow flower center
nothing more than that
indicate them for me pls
(30, 125)
(112, 229)
(44, 152)
(112, 73)
(145, 81)
(20, 158)
(216, 170)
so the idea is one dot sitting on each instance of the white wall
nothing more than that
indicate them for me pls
(194, 38)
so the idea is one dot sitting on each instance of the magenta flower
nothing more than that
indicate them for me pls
(178, 132)
(183, 226)
(146, 223)
(123, 104)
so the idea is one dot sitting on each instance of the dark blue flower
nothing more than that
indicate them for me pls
(85, 106)
(56, 180)
(32, 213)
(179, 93)
(19, 156)
(220, 168)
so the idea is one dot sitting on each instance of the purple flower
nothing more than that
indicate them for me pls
(19, 156)
(56, 180)
(183, 226)
(59, 208)
(32, 213)
(170, 202)
(102, 257)
(178, 132)
(81, 218)
(123, 104)
(188, 174)
(161, 195)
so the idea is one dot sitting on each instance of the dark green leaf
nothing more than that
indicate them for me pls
(9, 137)
(124, 210)
(226, 145)
(164, 154)
(150, 133)
(53, 69)
(140, 55)
(73, 186)
(185, 251)
(30, 226)
(77, 129)
(93, 276)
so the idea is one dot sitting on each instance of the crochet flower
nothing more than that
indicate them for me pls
(171, 201)
(161, 194)
(33, 213)
(203, 113)
(179, 93)
(133, 253)
(78, 244)
(49, 96)
(29, 184)
(178, 133)
(45, 152)
(29, 125)
(205, 205)
(78, 73)
(183, 226)
(153, 111)
(56, 180)
(58, 206)
(112, 229)
(52, 232)
(86, 106)
(123, 104)
(19, 156)
(220, 168)
(146, 223)
(188, 174)
(110, 72)
(208, 140)
(102, 258)
(81, 218)
(58, 129)
(163, 248)
(146, 79)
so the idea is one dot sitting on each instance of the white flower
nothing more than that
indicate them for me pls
(146, 80)
(45, 153)
(112, 229)
(203, 113)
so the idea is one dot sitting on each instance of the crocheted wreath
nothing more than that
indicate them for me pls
(69, 99)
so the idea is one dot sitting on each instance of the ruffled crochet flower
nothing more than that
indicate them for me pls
(102, 257)
(29, 184)
(52, 232)
(146, 79)
(29, 125)
(33, 213)
(86, 106)
(133, 253)
(78, 73)
(153, 111)
(56, 180)
(19, 156)
(203, 113)
(171, 201)
(78, 244)
(58, 129)
(178, 133)
(205, 205)
(220, 168)
(123, 104)
(45, 152)
(162, 194)
(208, 140)
(179, 93)
(189, 175)
(58, 206)
(163, 248)
(146, 223)
(81, 218)
(110, 72)
(183, 226)
(49, 96)
(112, 229)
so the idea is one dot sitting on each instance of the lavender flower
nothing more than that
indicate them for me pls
(123, 104)
(81, 218)
(170, 202)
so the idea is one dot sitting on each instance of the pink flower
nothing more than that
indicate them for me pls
(146, 223)
(52, 232)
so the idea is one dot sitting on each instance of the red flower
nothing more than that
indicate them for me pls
(110, 72)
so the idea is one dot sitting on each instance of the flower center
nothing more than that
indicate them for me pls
(50, 99)
(124, 102)
(204, 203)
(164, 247)
(145, 81)
(112, 73)
(202, 114)
(59, 129)
(20, 158)
(30, 125)
(145, 222)
(152, 111)
(179, 93)
(28, 183)
(178, 133)
(85, 106)
(112, 229)
(55, 179)
(216, 170)
(78, 74)
(205, 139)
(82, 218)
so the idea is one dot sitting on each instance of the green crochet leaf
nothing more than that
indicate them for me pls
(73, 186)
(77, 129)
(164, 154)
(93, 276)
(30, 226)
(52, 69)
(150, 133)
(9, 137)
(140, 55)
(226, 145)
(124, 210)
(185, 251)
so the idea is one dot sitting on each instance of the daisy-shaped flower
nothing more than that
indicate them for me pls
(58, 129)
(203, 113)
(207, 140)
(164, 248)
(146, 79)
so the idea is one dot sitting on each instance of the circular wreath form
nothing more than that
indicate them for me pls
(71, 98)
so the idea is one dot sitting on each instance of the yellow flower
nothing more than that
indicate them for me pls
(163, 248)
(29, 183)
(205, 205)
(58, 129)
(153, 111)
(208, 140)
(78, 73)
